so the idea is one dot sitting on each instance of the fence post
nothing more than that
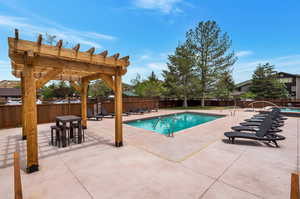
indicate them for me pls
(295, 186)
(17, 177)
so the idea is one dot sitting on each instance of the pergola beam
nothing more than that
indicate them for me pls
(76, 48)
(91, 51)
(103, 54)
(16, 34)
(65, 65)
(39, 40)
(115, 56)
(109, 81)
(50, 75)
(106, 78)
(65, 53)
(59, 44)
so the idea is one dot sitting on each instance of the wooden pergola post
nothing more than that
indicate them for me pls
(23, 111)
(30, 116)
(118, 110)
(83, 93)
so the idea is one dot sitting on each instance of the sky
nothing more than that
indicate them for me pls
(149, 30)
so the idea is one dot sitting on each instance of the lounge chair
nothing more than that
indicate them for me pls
(274, 124)
(94, 116)
(104, 113)
(136, 111)
(262, 119)
(255, 128)
(261, 135)
(275, 114)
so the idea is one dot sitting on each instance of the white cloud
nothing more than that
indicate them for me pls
(4, 62)
(5, 66)
(157, 66)
(144, 57)
(28, 28)
(100, 36)
(164, 6)
(243, 53)
(291, 64)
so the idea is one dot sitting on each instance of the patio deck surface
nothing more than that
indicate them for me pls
(195, 163)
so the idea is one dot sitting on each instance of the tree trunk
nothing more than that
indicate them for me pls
(203, 100)
(185, 105)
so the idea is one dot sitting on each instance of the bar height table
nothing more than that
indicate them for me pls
(69, 119)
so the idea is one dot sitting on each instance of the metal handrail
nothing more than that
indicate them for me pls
(164, 122)
(263, 102)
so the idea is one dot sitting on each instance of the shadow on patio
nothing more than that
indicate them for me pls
(11, 143)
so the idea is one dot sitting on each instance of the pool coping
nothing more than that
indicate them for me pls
(151, 117)
(177, 132)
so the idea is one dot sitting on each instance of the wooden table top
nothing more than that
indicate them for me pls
(68, 118)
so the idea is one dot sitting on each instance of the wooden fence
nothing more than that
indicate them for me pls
(132, 103)
(262, 103)
(10, 115)
(168, 103)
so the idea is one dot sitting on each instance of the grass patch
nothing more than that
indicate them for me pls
(202, 108)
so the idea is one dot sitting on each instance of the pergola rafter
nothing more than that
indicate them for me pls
(37, 63)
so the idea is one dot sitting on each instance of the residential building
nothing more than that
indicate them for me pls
(291, 81)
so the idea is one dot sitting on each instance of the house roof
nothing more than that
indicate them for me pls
(10, 92)
(9, 83)
(244, 83)
(289, 74)
(129, 94)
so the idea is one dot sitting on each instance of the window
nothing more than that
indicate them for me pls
(286, 80)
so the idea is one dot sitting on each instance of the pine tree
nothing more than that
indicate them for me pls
(265, 84)
(212, 58)
(180, 76)
(224, 86)
(151, 87)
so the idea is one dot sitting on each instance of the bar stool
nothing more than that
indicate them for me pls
(76, 126)
(57, 130)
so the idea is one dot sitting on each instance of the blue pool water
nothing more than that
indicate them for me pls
(174, 123)
(294, 110)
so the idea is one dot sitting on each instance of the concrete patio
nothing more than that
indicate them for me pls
(195, 163)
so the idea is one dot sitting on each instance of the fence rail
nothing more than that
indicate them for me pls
(10, 115)
(228, 102)
(132, 103)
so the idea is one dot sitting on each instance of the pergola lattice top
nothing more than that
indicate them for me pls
(62, 63)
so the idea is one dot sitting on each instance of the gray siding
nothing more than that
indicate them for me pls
(298, 88)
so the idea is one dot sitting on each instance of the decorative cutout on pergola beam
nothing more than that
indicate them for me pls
(37, 63)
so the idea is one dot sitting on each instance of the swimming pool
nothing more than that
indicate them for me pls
(293, 110)
(174, 122)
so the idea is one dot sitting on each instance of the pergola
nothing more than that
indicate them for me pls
(37, 63)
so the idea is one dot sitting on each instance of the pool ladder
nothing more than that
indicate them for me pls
(170, 132)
